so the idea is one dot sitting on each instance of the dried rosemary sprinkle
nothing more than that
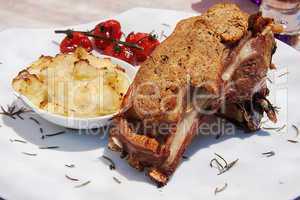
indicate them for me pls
(185, 157)
(281, 75)
(229, 166)
(12, 111)
(271, 128)
(20, 117)
(54, 134)
(269, 80)
(277, 129)
(269, 154)
(83, 184)
(222, 168)
(49, 147)
(70, 178)
(293, 141)
(281, 128)
(297, 130)
(70, 166)
(117, 180)
(217, 190)
(17, 140)
(219, 166)
(221, 158)
(29, 154)
(90, 34)
(112, 165)
(35, 120)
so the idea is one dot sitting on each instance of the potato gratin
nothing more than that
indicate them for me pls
(77, 85)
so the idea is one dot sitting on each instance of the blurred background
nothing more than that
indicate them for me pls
(53, 13)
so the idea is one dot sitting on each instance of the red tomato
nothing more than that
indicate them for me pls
(145, 40)
(109, 29)
(121, 52)
(135, 37)
(71, 42)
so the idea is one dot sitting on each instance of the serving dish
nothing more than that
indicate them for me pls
(194, 180)
(80, 122)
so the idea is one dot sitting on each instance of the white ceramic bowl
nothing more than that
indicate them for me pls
(81, 123)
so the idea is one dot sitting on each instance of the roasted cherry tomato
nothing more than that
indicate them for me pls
(74, 40)
(120, 51)
(109, 29)
(145, 40)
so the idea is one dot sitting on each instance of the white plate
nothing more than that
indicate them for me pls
(75, 122)
(43, 176)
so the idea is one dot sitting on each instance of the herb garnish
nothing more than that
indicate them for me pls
(49, 147)
(219, 166)
(269, 80)
(222, 168)
(217, 190)
(12, 111)
(297, 130)
(17, 140)
(20, 117)
(70, 166)
(281, 128)
(54, 134)
(269, 154)
(277, 129)
(29, 154)
(293, 141)
(35, 120)
(117, 180)
(281, 75)
(271, 128)
(112, 165)
(83, 184)
(70, 178)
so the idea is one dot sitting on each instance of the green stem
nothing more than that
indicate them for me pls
(90, 34)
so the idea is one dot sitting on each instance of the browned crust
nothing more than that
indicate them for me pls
(188, 61)
(219, 28)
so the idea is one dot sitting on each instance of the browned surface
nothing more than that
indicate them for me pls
(183, 59)
(200, 50)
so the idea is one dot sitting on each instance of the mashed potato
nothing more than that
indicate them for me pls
(78, 84)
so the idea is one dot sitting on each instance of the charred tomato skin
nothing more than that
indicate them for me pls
(74, 40)
(145, 40)
(109, 29)
(120, 52)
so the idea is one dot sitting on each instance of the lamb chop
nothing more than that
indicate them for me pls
(210, 65)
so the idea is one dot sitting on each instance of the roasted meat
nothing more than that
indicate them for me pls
(209, 65)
